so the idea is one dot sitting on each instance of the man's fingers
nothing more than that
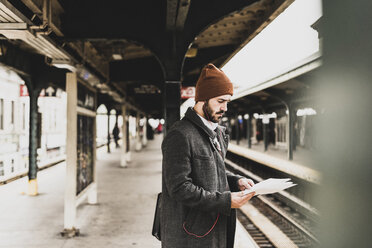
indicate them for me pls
(238, 199)
(248, 195)
(245, 183)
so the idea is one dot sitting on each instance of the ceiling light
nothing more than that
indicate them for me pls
(192, 52)
(117, 56)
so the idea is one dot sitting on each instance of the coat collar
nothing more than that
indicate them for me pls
(192, 116)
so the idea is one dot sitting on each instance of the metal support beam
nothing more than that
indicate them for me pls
(265, 136)
(183, 9)
(291, 116)
(128, 155)
(33, 143)
(237, 130)
(177, 11)
(116, 128)
(138, 134)
(71, 156)
(108, 131)
(249, 130)
(171, 14)
(144, 133)
(172, 102)
(123, 158)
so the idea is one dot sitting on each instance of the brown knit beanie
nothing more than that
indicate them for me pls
(211, 83)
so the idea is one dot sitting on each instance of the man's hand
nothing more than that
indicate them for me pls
(238, 199)
(245, 183)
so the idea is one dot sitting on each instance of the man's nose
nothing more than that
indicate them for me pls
(224, 107)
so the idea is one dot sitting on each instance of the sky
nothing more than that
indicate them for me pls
(282, 44)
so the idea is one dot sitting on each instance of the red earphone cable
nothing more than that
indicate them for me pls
(202, 236)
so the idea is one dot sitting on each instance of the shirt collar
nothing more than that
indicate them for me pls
(211, 125)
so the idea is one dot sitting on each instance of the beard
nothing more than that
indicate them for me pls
(210, 114)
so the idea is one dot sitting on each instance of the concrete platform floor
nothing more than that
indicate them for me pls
(122, 218)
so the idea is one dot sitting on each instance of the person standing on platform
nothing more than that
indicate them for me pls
(115, 133)
(199, 196)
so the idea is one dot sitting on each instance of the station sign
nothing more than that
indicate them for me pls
(23, 91)
(147, 89)
(187, 92)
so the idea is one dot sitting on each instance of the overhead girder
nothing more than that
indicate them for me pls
(143, 69)
(166, 28)
(168, 46)
(176, 14)
(16, 58)
(31, 67)
(205, 56)
(144, 24)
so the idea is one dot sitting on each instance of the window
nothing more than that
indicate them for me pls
(1, 114)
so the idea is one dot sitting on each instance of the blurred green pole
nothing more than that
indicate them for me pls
(344, 130)
(33, 143)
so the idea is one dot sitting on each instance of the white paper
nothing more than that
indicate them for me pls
(270, 186)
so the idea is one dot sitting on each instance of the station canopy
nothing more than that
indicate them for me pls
(133, 47)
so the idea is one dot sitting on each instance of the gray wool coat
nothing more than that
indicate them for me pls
(196, 202)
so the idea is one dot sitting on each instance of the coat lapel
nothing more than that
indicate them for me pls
(192, 116)
(222, 138)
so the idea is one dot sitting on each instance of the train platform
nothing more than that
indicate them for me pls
(303, 163)
(122, 218)
(301, 156)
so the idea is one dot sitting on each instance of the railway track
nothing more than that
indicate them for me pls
(278, 220)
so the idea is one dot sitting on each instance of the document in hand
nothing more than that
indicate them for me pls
(270, 186)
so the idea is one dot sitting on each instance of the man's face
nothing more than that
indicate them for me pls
(216, 107)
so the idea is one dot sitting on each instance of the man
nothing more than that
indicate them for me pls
(199, 195)
(115, 133)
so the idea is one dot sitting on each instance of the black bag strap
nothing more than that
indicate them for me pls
(156, 225)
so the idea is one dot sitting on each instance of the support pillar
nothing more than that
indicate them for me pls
(265, 125)
(237, 129)
(123, 157)
(108, 131)
(172, 102)
(33, 141)
(117, 126)
(81, 127)
(128, 155)
(290, 131)
(138, 134)
(144, 133)
(249, 130)
(71, 154)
